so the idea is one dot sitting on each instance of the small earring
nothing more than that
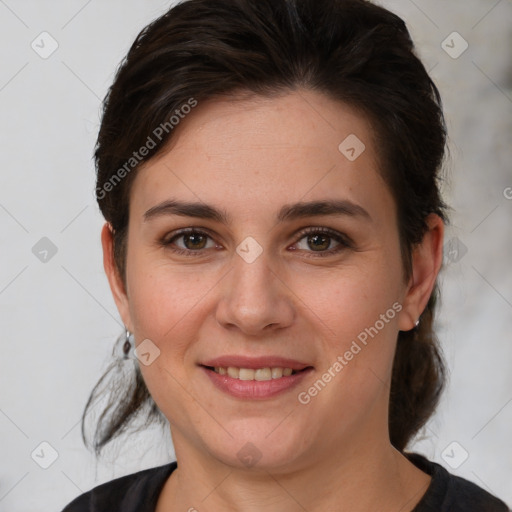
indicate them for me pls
(127, 344)
(417, 323)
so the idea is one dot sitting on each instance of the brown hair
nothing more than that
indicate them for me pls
(350, 50)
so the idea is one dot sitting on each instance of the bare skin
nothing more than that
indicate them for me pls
(249, 158)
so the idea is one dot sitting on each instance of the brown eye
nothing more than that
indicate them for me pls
(322, 241)
(189, 241)
(318, 242)
(194, 241)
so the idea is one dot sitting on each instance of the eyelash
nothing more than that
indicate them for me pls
(343, 241)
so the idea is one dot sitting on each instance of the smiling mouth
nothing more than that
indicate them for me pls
(256, 374)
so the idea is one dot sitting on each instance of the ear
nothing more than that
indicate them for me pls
(115, 281)
(427, 258)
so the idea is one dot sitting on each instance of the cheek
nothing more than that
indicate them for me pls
(358, 318)
(162, 298)
(167, 309)
(346, 301)
(358, 335)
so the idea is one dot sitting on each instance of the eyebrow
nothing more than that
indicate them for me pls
(339, 207)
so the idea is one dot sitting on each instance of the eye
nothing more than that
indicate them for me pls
(189, 241)
(322, 241)
(317, 241)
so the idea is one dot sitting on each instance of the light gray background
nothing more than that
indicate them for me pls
(59, 322)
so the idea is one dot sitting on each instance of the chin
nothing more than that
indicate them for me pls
(267, 445)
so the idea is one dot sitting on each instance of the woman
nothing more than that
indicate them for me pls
(269, 174)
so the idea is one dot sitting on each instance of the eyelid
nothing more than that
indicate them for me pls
(186, 231)
(328, 231)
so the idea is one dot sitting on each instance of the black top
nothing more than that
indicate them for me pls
(139, 492)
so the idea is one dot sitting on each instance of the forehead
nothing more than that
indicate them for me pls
(241, 153)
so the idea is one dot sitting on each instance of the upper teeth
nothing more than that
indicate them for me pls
(251, 374)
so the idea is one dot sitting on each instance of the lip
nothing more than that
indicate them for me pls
(255, 362)
(253, 389)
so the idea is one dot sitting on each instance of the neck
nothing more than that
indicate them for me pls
(361, 476)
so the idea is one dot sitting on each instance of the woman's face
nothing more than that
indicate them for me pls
(267, 278)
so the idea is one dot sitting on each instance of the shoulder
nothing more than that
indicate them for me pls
(452, 493)
(135, 492)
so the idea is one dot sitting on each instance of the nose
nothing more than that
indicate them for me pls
(255, 298)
